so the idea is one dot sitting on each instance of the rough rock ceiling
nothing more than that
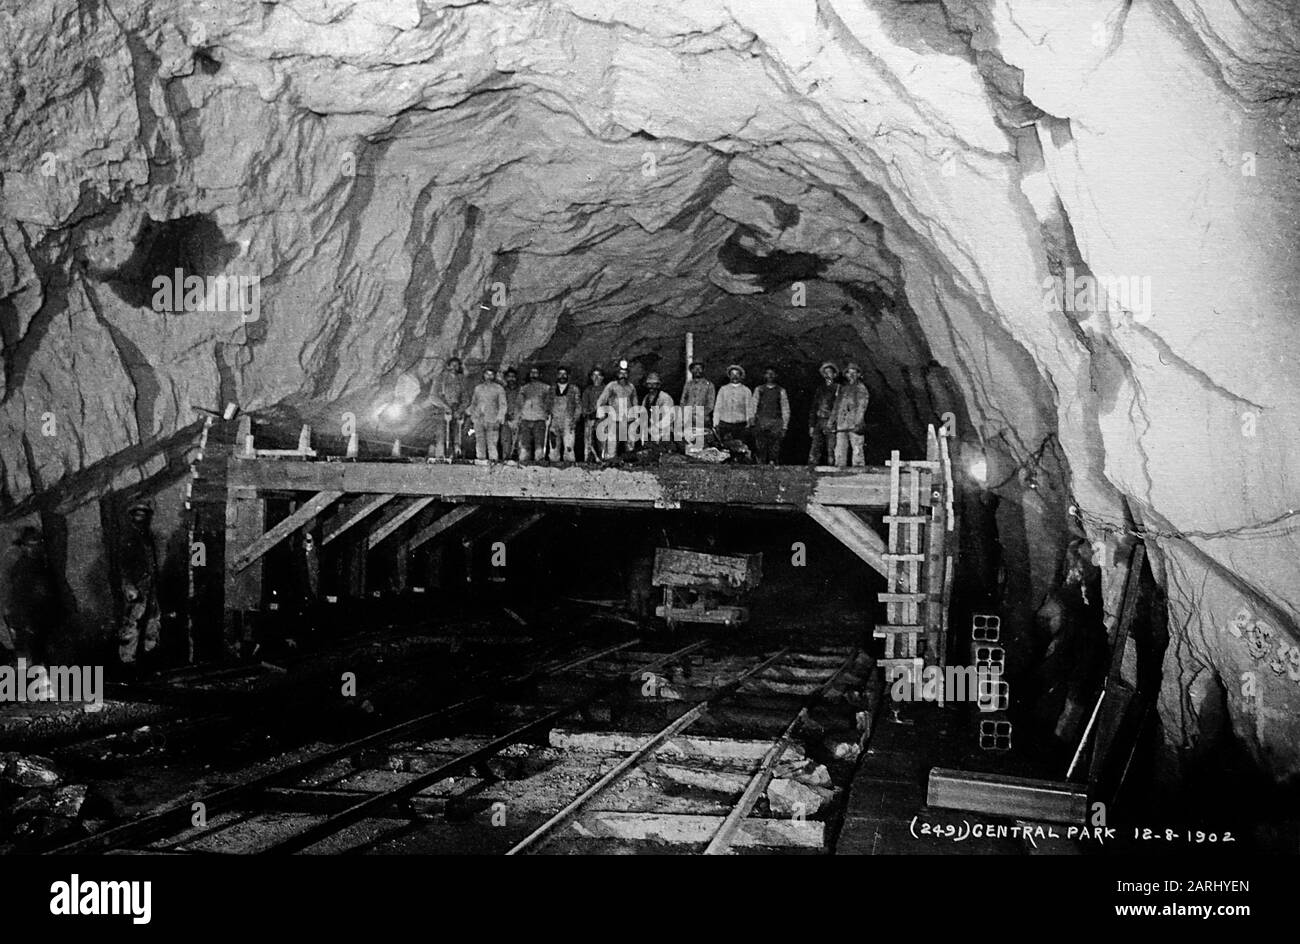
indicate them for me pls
(627, 171)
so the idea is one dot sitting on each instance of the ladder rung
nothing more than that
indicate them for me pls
(914, 463)
(902, 557)
(883, 630)
(906, 519)
(901, 597)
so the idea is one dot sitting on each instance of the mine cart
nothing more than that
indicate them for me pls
(704, 588)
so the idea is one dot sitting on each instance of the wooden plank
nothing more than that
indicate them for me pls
(679, 828)
(905, 519)
(678, 567)
(883, 628)
(902, 597)
(242, 589)
(449, 520)
(309, 510)
(692, 747)
(869, 551)
(778, 486)
(903, 557)
(1048, 801)
(394, 521)
(354, 513)
(519, 527)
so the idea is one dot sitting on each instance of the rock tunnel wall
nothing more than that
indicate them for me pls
(933, 188)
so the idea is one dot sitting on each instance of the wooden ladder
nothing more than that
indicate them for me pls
(915, 563)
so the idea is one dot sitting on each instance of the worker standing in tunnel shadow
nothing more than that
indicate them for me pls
(698, 396)
(566, 407)
(487, 408)
(614, 410)
(29, 605)
(448, 399)
(821, 417)
(534, 408)
(733, 408)
(510, 428)
(771, 414)
(850, 418)
(591, 443)
(657, 407)
(138, 632)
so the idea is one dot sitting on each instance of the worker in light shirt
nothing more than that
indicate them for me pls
(698, 397)
(733, 408)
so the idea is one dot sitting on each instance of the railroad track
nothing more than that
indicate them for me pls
(312, 806)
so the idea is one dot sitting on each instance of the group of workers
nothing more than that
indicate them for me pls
(545, 421)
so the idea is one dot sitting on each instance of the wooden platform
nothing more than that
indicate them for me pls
(664, 486)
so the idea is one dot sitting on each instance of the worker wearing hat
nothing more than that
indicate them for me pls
(733, 408)
(821, 423)
(615, 409)
(850, 418)
(770, 415)
(566, 408)
(657, 405)
(28, 602)
(591, 443)
(138, 632)
(698, 397)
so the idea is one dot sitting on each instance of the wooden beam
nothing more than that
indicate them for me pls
(1049, 801)
(241, 589)
(354, 513)
(789, 486)
(450, 519)
(397, 519)
(520, 527)
(309, 510)
(859, 539)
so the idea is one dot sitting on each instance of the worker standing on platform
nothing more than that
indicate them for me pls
(138, 633)
(851, 418)
(514, 402)
(29, 606)
(566, 406)
(487, 408)
(591, 443)
(534, 408)
(698, 396)
(771, 416)
(657, 405)
(614, 411)
(733, 408)
(821, 417)
(448, 400)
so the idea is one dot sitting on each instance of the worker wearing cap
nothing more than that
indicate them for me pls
(448, 401)
(770, 413)
(591, 443)
(733, 408)
(514, 401)
(137, 635)
(487, 408)
(698, 396)
(657, 406)
(614, 412)
(566, 407)
(535, 407)
(27, 598)
(850, 418)
(821, 417)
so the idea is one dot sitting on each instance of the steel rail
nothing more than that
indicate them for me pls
(541, 834)
(720, 844)
(177, 816)
(381, 801)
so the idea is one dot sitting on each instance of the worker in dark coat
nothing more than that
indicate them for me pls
(30, 607)
(821, 417)
(138, 633)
